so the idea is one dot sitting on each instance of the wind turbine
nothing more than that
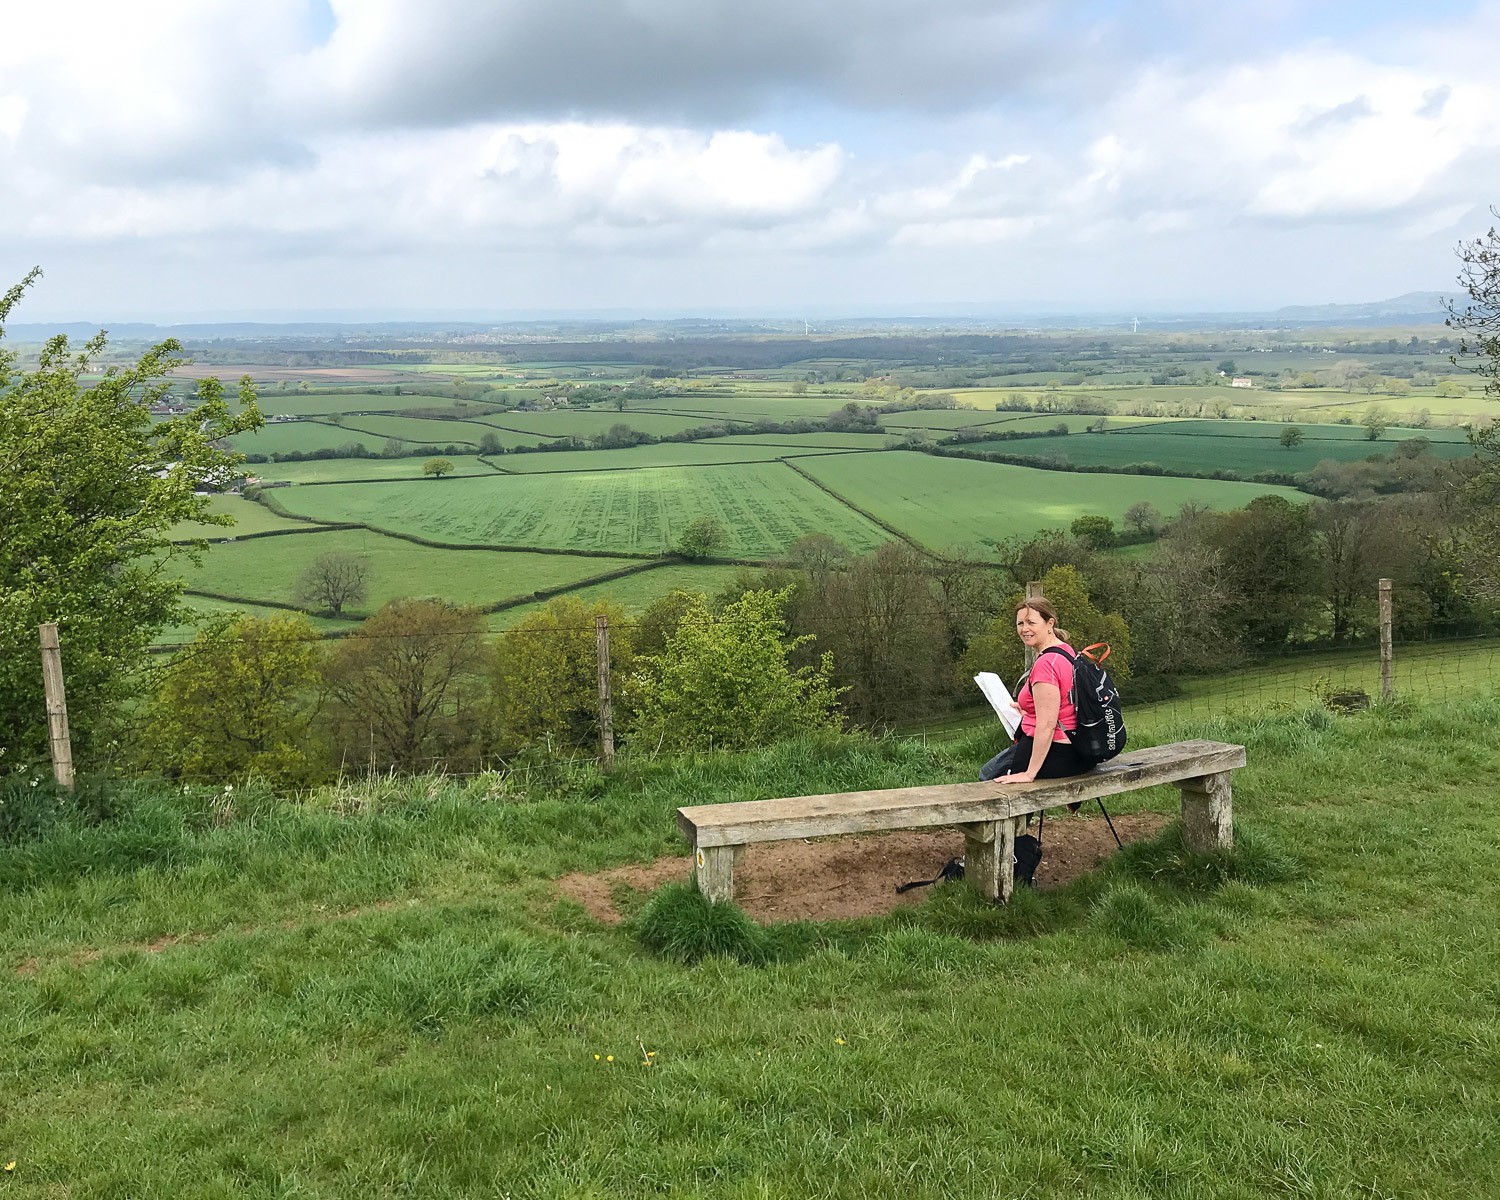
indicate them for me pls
(1135, 324)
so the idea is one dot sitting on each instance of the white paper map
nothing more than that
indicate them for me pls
(999, 696)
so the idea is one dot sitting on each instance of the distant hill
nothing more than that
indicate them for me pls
(1410, 307)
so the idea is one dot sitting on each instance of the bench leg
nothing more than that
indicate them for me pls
(990, 858)
(1207, 813)
(713, 871)
(983, 855)
(1011, 830)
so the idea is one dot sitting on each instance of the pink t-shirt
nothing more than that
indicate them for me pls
(1056, 670)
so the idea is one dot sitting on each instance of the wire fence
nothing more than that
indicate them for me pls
(458, 738)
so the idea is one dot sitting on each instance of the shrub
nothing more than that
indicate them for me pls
(678, 922)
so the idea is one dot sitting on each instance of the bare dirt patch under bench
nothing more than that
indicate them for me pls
(844, 877)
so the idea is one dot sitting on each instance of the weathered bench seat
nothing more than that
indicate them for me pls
(990, 814)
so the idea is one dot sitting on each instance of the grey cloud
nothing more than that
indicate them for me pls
(1339, 114)
(690, 61)
(1433, 102)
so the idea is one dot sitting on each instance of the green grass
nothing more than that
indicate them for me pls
(304, 436)
(763, 506)
(586, 423)
(944, 502)
(201, 607)
(249, 517)
(809, 441)
(376, 992)
(268, 569)
(1246, 447)
(329, 470)
(635, 592)
(666, 454)
(421, 431)
(354, 401)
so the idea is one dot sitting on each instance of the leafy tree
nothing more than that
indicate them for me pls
(393, 448)
(1375, 424)
(1095, 532)
(998, 649)
(546, 675)
(407, 687)
(1291, 436)
(90, 490)
(490, 443)
(659, 622)
(1173, 603)
(333, 580)
(1478, 322)
(883, 620)
(817, 554)
(437, 467)
(238, 701)
(1272, 567)
(725, 682)
(1478, 319)
(1144, 517)
(1227, 367)
(701, 538)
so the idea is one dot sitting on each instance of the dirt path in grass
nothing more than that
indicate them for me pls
(839, 878)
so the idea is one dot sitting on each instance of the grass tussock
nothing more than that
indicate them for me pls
(375, 992)
(680, 924)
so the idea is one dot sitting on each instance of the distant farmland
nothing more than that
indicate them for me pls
(764, 507)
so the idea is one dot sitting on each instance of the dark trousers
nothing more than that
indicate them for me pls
(1061, 761)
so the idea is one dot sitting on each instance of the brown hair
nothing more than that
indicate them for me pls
(1040, 605)
(1043, 608)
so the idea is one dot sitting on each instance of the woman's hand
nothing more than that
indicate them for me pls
(1023, 777)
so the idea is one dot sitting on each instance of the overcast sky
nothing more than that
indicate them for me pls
(180, 159)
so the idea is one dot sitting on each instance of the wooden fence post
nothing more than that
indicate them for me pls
(57, 707)
(1033, 592)
(1387, 671)
(606, 706)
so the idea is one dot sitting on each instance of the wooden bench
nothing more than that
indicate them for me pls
(990, 814)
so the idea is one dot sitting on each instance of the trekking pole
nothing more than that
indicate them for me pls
(1111, 824)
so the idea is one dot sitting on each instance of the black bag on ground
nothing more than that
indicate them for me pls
(1028, 859)
(1101, 718)
(952, 869)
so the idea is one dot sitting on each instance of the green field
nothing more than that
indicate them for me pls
(669, 454)
(764, 507)
(268, 569)
(963, 502)
(303, 436)
(326, 470)
(738, 406)
(1303, 402)
(381, 990)
(808, 441)
(634, 592)
(249, 517)
(323, 404)
(585, 423)
(1246, 447)
(200, 608)
(421, 431)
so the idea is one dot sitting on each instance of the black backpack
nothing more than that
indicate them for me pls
(1101, 719)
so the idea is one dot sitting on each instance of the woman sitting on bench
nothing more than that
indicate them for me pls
(1042, 749)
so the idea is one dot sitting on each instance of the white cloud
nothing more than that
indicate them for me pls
(12, 116)
(701, 135)
(485, 186)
